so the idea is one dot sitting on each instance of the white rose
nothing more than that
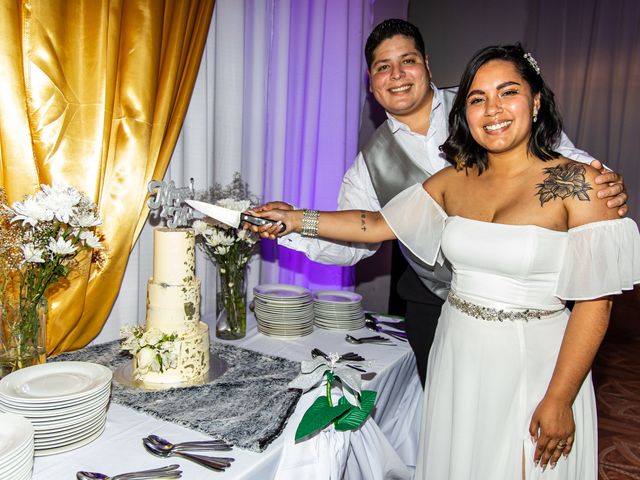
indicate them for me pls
(147, 360)
(151, 336)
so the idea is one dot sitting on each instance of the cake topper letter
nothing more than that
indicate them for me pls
(169, 199)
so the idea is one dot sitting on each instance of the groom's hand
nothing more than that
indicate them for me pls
(616, 191)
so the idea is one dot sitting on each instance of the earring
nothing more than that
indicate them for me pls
(535, 115)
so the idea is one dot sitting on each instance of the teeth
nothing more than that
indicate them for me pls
(497, 126)
(400, 89)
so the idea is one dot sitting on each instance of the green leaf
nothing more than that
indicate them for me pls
(355, 416)
(318, 416)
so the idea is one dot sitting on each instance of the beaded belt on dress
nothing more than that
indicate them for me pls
(495, 314)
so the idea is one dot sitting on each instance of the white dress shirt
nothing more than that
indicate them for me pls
(357, 192)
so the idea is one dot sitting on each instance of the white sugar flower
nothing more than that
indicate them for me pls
(147, 360)
(91, 239)
(61, 246)
(32, 254)
(151, 336)
(31, 211)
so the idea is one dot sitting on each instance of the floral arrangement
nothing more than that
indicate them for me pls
(352, 409)
(230, 249)
(41, 238)
(154, 350)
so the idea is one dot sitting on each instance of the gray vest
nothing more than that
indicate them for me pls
(390, 167)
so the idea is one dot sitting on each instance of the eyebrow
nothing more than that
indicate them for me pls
(404, 55)
(499, 87)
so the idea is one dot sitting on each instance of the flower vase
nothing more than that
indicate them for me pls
(23, 327)
(231, 303)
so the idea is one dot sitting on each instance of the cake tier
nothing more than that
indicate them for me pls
(174, 255)
(173, 308)
(193, 361)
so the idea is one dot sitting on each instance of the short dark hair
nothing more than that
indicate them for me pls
(460, 147)
(390, 28)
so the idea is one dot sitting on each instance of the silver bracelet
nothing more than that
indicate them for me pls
(310, 223)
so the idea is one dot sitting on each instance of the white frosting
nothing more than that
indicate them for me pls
(174, 259)
(193, 363)
(173, 306)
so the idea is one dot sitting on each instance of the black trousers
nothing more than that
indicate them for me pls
(421, 316)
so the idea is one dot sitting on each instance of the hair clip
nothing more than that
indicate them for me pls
(532, 61)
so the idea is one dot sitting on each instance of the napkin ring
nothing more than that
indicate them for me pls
(310, 223)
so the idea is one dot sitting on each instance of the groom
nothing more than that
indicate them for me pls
(403, 151)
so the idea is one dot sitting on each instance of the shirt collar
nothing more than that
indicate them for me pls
(395, 124)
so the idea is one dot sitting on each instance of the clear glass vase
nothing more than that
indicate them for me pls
(231, 303)
(23, 327)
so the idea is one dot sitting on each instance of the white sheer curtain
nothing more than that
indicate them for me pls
(261, 106)
(589, 51)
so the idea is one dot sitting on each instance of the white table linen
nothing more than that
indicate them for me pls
(385, 447)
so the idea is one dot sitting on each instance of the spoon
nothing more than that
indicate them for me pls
(182, 446)
(214, 463)
(169, 471)
(375, 339)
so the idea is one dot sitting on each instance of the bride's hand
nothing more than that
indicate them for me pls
(552, 428)
(292, 219)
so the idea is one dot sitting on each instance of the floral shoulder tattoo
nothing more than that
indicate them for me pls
(564, 181)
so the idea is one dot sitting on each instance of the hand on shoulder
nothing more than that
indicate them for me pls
(574, 183)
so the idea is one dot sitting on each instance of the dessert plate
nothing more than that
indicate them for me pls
(54, 382)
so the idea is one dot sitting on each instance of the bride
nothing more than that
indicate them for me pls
(509, 392)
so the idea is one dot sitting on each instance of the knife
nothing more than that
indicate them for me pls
(233, 218)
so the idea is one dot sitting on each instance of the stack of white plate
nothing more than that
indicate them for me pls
(66, 402)
(338, 310)
(16, 447)
(283, 310)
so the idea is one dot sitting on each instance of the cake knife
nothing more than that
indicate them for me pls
(233, 218)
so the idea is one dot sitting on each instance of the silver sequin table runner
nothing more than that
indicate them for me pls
(248, 405)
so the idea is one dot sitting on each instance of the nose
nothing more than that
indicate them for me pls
(493, 106)
(396, 71)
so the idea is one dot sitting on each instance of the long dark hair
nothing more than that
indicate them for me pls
(462, 150)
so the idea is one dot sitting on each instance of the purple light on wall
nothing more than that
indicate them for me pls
(315, 93)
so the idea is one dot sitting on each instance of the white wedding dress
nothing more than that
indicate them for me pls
(486, 377)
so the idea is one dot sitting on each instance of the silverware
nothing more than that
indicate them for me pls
(214, 463)
(375, 328)
(190, 446)
(169, 471)
(399, 325)
(354, 357)
(375, 339)
(230, 217)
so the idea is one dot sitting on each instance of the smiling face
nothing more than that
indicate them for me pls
(500, 107)
(399, 78)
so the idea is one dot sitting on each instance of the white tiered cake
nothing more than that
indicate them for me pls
(173, 306)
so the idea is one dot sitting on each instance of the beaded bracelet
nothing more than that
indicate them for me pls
(310, 223)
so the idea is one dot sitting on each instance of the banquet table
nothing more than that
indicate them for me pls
(384, 447)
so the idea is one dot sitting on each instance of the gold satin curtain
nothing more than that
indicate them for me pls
(94, 92)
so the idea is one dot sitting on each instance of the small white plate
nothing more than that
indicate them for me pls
(16, 431)
(54, 382)
(334, 296)
(281, 290)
